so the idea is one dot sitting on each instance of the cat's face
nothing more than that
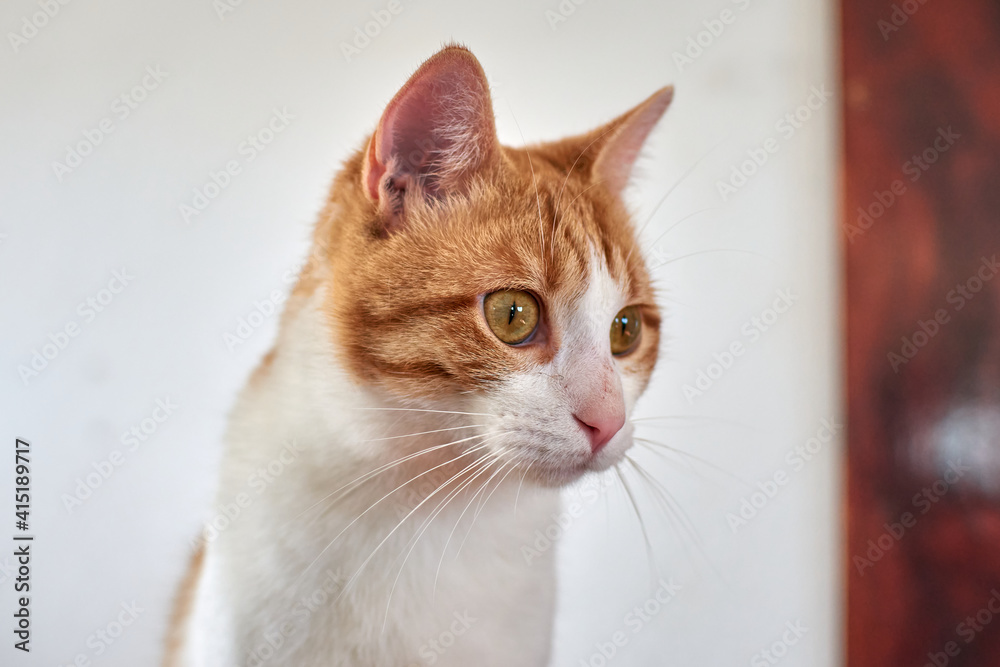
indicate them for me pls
(506, 283)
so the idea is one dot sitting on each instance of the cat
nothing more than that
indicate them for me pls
(470, 334)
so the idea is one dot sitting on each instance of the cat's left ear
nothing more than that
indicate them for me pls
(618, 143)
(434, 136)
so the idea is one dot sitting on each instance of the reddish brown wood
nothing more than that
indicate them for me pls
(941, 68)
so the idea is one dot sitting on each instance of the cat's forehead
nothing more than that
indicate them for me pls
(567, 236)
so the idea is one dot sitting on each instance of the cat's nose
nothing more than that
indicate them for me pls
(601, 421)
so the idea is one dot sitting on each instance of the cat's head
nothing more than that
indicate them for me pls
(503, 282)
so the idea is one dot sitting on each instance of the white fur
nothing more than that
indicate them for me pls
(538, 407)
(278, 550)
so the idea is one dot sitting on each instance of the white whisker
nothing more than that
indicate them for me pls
(638, 515)
(673, 187)
(437, 430)
(672, 508)
(684, 219)
(448, 541)
(705, 252)
(482, 505)
(391, 532)
(440, 412)
(555, 221)
(538, 201)
(475, 514)
(487, 463)
(523, 475)
(372, 506)
(695, 457)
(368, 475)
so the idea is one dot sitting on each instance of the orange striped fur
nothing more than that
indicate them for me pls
(405, 306)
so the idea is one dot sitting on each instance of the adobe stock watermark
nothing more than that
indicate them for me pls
(796, 459)
(957, 297)
(132, 439)
(256, 485)
(262, 311)
(924, 501)
(266, 308)
(247, 152)
(752, 330)
(967, 631)
(773, 654)
(912, 169)
(31, 24)
(121, 108)
(223, 8)
(632, 624)
(588, 492)
(59, 340)
(899, 16)
(435, 647)
(105, 637)
(786, 127)
(699, 43)
(281, 632)
(363, 35)
(562, 12)
(7, 569)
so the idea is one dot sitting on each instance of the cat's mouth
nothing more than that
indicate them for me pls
(548, 470)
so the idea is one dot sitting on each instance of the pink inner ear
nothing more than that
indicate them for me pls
(437, 130)
(618, 155)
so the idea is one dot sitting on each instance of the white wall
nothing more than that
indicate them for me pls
(162, 336)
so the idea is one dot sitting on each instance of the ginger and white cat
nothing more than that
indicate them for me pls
(474, 319)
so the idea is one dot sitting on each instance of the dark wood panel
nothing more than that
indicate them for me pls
(922, 140)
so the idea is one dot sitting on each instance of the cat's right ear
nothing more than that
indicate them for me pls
(434, 136)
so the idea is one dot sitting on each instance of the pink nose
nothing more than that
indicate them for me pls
(600, 422)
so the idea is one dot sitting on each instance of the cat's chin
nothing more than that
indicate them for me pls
(560, 476)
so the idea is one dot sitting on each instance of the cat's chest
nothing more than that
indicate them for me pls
(411, 586)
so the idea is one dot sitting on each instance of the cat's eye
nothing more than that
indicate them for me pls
(511, 314)
(625, 330)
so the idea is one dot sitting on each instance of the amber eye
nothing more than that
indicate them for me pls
(625, 330)
(511, 314)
